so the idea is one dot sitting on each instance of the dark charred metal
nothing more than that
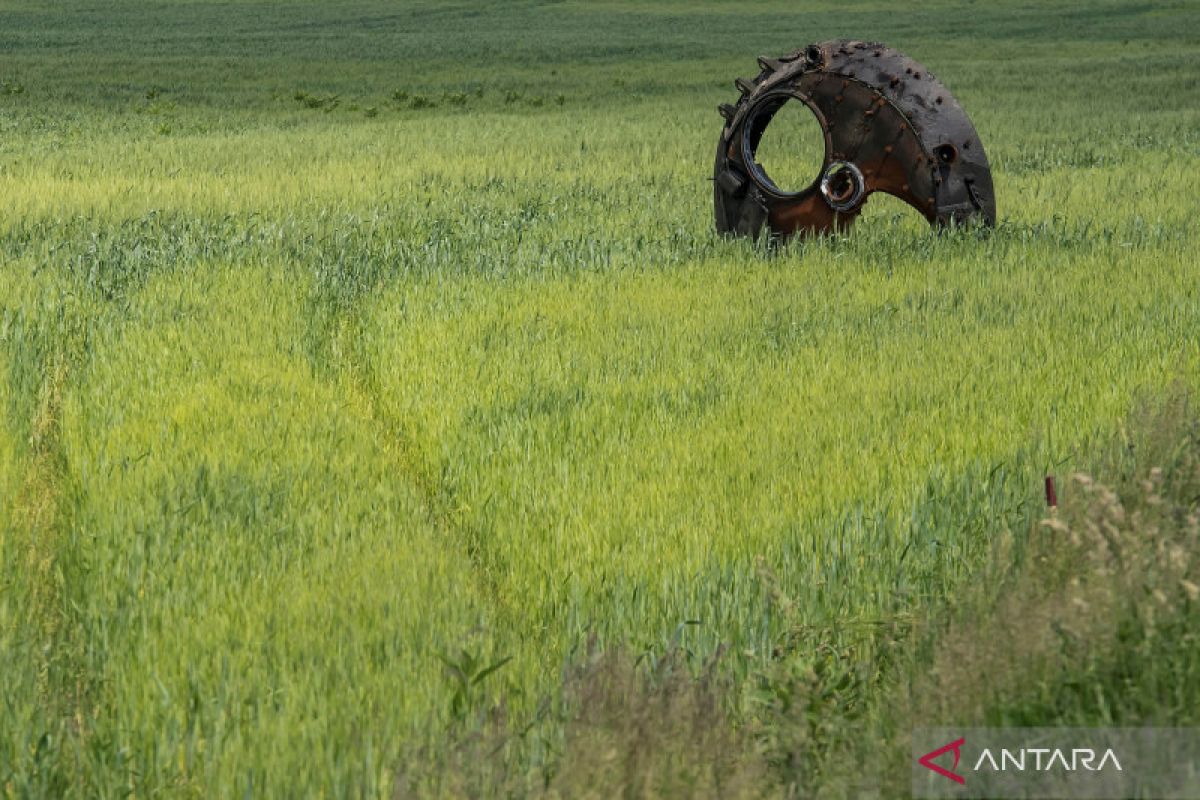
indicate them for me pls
(889, 126)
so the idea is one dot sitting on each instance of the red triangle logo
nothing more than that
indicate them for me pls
(927, 761)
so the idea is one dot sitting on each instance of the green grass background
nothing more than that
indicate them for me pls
(340, 340)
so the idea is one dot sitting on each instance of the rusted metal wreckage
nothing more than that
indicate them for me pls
(889, 126)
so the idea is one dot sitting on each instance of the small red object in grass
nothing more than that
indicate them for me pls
(1051, 495)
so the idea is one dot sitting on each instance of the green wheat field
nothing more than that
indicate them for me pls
(381, 416)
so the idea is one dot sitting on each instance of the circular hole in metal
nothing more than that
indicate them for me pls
(946, 153)
(785, 145)
(842, 186)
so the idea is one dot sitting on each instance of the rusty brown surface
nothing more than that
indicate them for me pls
(882, 113)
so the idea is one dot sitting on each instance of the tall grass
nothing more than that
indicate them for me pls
(358, 444)
(1084, 616)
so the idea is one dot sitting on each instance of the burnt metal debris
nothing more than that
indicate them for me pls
(889, 126)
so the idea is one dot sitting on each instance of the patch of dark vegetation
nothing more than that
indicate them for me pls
(317, 102)
(627, 727)
(456, 99)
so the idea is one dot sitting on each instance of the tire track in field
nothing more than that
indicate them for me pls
(42, 512)
(364, 393)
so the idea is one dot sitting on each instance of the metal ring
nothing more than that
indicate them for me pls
(842, 185)
(770, 104)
